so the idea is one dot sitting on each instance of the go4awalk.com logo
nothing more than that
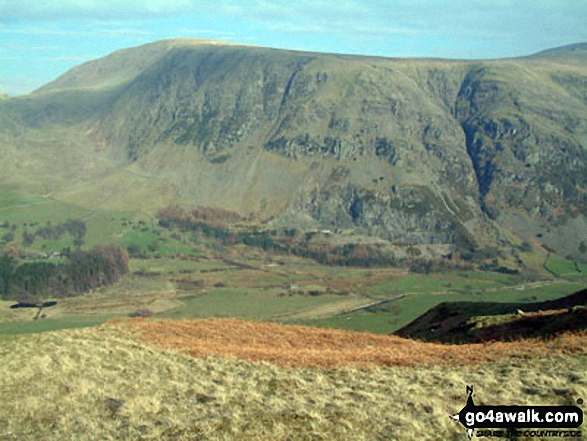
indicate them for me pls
(516, 421)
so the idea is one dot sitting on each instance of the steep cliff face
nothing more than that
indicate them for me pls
(412, 151)
(211, 98)
(526, 142)
(411, 215)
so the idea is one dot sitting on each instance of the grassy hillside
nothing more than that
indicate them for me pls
(110, 383)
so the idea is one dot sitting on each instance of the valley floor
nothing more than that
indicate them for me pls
(279, 288)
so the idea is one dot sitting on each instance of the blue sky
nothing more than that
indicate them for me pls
(41, 39)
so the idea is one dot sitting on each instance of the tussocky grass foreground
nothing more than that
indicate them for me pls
(117, 381)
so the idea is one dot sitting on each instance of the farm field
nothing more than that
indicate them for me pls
(389, 317)
(51, 324)
(21, 208)
(566, 269)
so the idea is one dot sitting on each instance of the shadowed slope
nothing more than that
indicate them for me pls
(468, 322)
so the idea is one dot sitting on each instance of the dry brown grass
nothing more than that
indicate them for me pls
(301, 346)
(101, 383)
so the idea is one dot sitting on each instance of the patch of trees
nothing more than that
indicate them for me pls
(499, 269)
(76, 228)
(27, 239)
(85, 270)
(349, 254)
(258, 239)
(427, 266)
(290, 242)
(8, 237)
(211, 216)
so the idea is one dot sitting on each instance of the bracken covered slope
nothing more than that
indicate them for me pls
(296, 346)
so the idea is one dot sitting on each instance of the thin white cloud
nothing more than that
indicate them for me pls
(69, 58)
(381, 31)
(291, 28)
(54, 59)
(110, 9)
(27, 47)
(113, 33)
(54, 32)
(27, 30)
(386, 31)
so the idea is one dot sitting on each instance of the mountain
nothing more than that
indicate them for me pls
(477, 156)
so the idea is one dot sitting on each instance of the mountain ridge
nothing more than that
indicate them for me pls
(169, 44)
(475, 154)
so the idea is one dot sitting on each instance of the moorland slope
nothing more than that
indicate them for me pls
(115, 382)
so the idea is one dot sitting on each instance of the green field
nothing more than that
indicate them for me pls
(239, 303)
(19, 208)
(26, 213)
(257, 297)
(444, 282)
(52, 324)
(566, 269)
(176, 288)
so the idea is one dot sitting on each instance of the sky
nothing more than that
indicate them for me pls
(42, 39)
